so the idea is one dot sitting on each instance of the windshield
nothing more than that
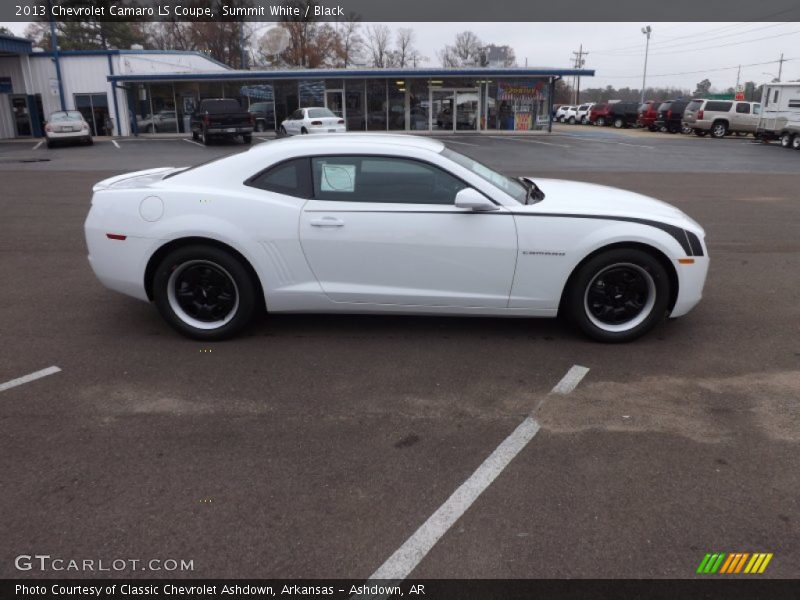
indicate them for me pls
(510, 186)
(70, 115)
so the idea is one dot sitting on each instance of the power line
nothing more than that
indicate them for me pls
(769, 62)
(579, 62)
(769, 37)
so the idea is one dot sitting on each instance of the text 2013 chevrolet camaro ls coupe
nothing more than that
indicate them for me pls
(367, 223)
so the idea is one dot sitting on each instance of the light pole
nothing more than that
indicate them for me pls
(645, 30)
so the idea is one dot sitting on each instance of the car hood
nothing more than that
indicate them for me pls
(575, 197)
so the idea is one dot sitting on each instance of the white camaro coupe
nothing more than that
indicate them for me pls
(373, 223)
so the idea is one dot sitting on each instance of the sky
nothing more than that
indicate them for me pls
(681, 54)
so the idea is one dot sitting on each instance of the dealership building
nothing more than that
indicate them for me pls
(131, 92)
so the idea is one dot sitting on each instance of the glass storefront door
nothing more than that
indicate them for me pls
(467, 111)
(94, 108)
(442, 110)
(22, 117)
(334, 101)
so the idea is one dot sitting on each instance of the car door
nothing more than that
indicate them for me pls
(293, 124)
(385, 231)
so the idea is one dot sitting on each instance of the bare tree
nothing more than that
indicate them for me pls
(350, 44)
(378, 39)
(465, 51)
(405, 55)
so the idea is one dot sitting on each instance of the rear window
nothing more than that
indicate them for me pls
(664, 106)
(695, 105)
(70, 115)
(220, 106)
(319, 113)
(713, 105)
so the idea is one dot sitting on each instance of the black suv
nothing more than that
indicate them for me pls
(623, 114)
(670, 115)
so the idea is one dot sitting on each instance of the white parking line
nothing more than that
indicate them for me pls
(37, 145)
(409, 555)
(448, 141)
(590, 139)
(28, 378)
(116, 145)
(526, 140)
(193, 142)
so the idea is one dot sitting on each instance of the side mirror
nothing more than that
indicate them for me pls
(472, 199)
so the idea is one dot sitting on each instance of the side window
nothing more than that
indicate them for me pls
(296, 115)
(290, 177)
(743, 108)
(756, 109)
(382, 179)
(775, 97)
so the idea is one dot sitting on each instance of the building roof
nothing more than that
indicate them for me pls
(239, 75)
(10, 44)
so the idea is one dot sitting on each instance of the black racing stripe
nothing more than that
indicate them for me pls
(676, 232)
(688, 241)
(694, 242)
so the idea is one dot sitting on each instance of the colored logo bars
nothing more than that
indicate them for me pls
(734, 562)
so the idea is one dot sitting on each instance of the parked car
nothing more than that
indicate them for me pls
(582, 115)
(562, 110)
(315, 119)
(615, 261)
(721, 117)
(622, 114)
(164, 121)
(670, 116)
(571, 115)
(221, 117)
(598, 114)
(781, 114)
(263, 116)
(66, 126)
(648, 114)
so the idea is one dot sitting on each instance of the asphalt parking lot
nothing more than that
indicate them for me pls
(317, 446)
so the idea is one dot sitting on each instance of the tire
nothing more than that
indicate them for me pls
(700, 132)
(282, 131)
(195, 137)
(719, 129)
(213, 273)
(261, 127)
(89, 141)
(796, 141)
(618, 123)
(50, 144)
(204, 138)
(686, 130)
(247, 138)
(583, 121)
(304, 131)
(786, 140)
(597, 309)
(601, 121)
(571, 121)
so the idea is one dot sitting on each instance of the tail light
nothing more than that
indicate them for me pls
(699, 114)
(252, 119)
(669, 114)
(206, 119)
(316, 122)
(48, 128)
(340, 122)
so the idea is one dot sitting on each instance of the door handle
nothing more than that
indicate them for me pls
(327, 222)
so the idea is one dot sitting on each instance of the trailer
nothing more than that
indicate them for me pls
(780, 114)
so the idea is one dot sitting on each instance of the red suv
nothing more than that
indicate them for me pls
(599, 114)
(648, 114)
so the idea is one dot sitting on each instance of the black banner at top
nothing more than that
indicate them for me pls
(399, 10)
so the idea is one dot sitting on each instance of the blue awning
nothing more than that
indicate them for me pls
(14, 45)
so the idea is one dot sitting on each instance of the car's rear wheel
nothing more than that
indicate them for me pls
(618, 123)
(261, 126)
(700, 132)
(204, 292)
(618, 295)
(282, 130)
(204, 137)
(304, 131)
(786, 140)
(719, 129)
(601, 122)
(796, 141)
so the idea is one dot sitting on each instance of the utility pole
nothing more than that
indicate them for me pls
(738, 74)
(579, 62)
(780, 66)
(647, 31)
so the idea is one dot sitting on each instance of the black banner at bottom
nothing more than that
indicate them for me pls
(424, 589)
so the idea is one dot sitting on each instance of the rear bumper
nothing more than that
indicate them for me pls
(229, 130)
(118, 264)
(68, 135)
(335, 129)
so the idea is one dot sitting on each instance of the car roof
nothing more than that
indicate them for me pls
(342, 140)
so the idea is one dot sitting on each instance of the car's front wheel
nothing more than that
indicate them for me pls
(601, 121)
(786, 140)
(204, 292)
(719, 129)
(796, 141)
(618, 295)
